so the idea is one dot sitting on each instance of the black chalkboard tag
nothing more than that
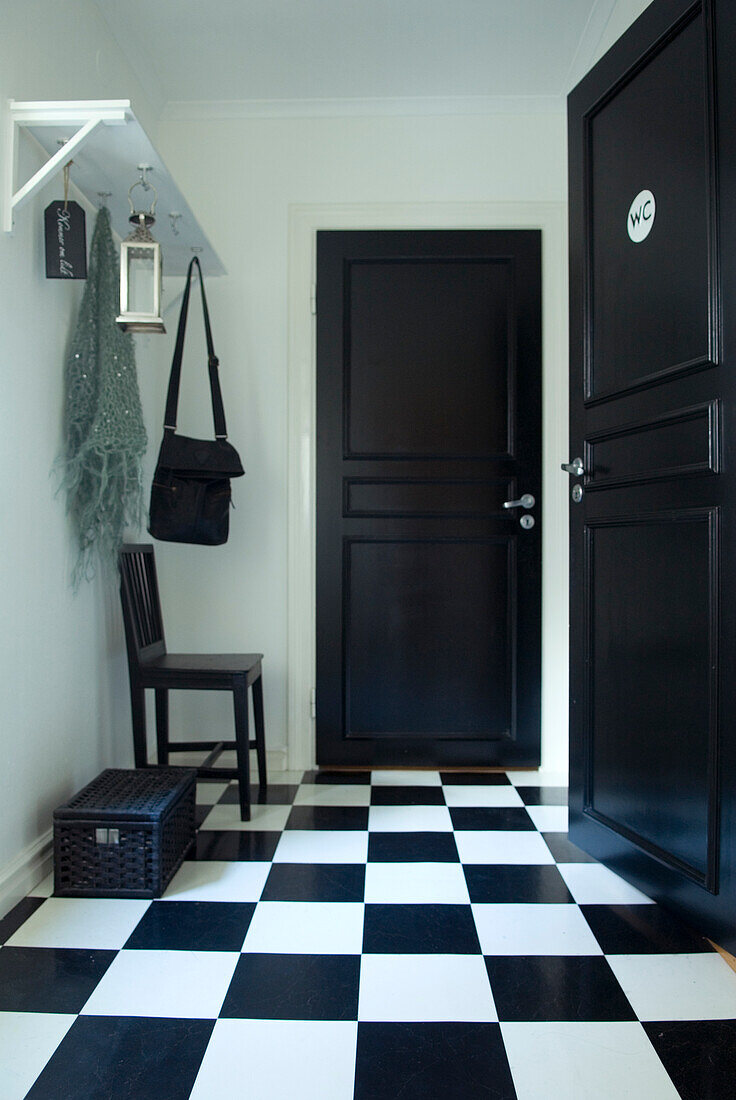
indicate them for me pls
(66, 241)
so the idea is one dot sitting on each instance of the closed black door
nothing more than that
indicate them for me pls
(428, 421)
(653, 563)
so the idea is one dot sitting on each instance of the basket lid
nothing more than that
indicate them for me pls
(130, 794)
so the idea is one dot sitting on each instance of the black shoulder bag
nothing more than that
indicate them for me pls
(190, 495)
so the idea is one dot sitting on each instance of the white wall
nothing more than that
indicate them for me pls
(63, 711)
(243, 176)
(622, 16)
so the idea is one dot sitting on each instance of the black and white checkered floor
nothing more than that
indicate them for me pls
(372, 935)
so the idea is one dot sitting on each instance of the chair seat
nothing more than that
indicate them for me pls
(199, 669)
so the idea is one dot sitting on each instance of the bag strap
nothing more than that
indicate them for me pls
(172, 398)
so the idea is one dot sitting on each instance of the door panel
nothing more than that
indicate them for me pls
(411, 324)
(661, 286)
(428, 589)
(652, 397)
(653, 710)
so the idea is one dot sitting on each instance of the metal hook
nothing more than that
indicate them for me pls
(143, 179)
(173, 218)
(149, 187)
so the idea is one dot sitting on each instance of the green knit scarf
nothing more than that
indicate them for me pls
(105, 436)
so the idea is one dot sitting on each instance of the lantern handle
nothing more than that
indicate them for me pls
(145, 185)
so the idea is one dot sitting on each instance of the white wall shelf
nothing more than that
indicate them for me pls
(107, 144)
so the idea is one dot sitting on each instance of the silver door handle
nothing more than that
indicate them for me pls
(527, 501)
(575, 467)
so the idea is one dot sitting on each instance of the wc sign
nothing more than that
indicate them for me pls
(640, 218)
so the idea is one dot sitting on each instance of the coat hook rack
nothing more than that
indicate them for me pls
(108, 145)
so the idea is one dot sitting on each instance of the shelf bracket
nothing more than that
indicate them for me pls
(87, 116)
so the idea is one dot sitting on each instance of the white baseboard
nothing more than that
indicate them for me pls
(22, 874)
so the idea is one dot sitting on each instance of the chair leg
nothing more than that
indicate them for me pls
(242, 740)
(162, 726)
(138, 712)
(260, 732)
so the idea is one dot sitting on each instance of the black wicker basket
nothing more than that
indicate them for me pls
(125, 834)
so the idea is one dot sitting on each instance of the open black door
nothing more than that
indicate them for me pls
(653, 511)
(428, 423)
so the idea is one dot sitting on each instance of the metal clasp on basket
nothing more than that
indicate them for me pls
(107, 836)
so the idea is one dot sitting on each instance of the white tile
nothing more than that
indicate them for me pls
(218, 880)
(279, 777)
(409, 819)
(278, 1059)
(677, 987)
(537, 779)
(306, 928)
(594, 884)
(333, 794)
(607, 1061)
(27, 1041)
(181, 984)
(94, 923)
(482, 796)
(209, 793)
(549, 819)
(416, 883)
(425, 987)
(322, 846)
(502, 846)
(508, 929)
(262, 818)
(191, 759)
(405, 779)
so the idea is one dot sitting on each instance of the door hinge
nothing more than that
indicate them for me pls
(313, 703)
(313, 299)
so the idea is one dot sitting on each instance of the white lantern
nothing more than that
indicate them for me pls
(140, 274)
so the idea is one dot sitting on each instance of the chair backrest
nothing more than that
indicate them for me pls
(144, 628)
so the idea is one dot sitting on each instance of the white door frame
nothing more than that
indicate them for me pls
(304, 222)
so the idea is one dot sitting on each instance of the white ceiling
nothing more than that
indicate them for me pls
(289, 50)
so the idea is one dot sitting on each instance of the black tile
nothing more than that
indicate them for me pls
(490, 817)
(564, 851)
(420, 1061)
(513, 883)
(556, 987)
(232, 844)
(475, 779)
(699, 1055)
(18, 915)
(641, 930)
(49, 979)
(543, 796)
(200, 813)
(192, 926)
(412, 848)
(407, 796)
(356, 778)
(275, 794)
(419, 930)
(102, 1057)
(328, 817)
(315, 882)
(294, 987)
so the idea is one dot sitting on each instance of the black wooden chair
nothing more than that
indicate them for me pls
(150, 666)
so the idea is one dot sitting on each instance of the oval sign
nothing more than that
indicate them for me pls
(641, 216)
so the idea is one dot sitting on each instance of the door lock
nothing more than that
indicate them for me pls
(577, 494)
(526, 501)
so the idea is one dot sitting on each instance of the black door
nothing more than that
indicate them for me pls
(428, 421)
(653, 562)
